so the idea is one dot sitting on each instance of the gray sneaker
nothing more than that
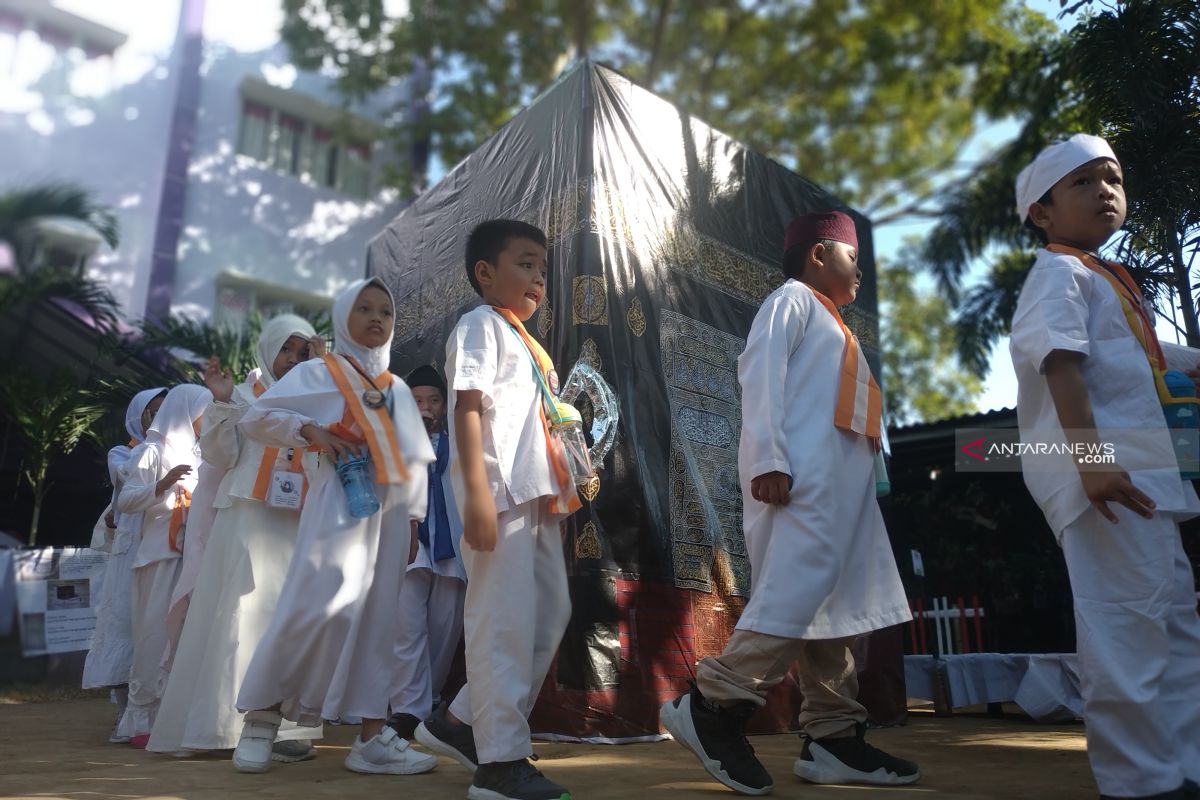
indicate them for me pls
(452, 739)
(293, 750)
(514, 780)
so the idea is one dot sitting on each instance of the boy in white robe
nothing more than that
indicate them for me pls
(431, 598)
(111, 655)
(160, 482)
(241, 575)
(328, 651)
(512, 485)
(822, 570)
(1090, 373)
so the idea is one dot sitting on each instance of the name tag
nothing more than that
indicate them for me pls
(287, 489)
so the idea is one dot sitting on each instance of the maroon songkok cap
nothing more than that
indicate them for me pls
(833, 225)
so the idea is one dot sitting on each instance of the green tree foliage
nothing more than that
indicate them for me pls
(20, 211)
(50, 416)
(922, 377)
(873, 99)
(1128, 73)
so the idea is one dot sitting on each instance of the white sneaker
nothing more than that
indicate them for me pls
(292, 750)
(253, 752)
(388, 754)
(115, 737)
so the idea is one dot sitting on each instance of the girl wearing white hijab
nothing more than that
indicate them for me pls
(241, 575)
(117, 534)
(328, 650)
(161, 478)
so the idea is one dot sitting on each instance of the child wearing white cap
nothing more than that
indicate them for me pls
(1090, 380)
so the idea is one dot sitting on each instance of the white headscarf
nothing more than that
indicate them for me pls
(173, 429)
(374, 361)
(137, 407)
(277, 331)
(1053, 164)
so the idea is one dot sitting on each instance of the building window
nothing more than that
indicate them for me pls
(293, 145)
(254, 139)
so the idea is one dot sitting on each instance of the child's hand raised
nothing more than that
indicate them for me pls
(773, 488)
(1114, 486)
(479, 522)
(173, 476)
(329, 442)
(316, 347)
(218, 380)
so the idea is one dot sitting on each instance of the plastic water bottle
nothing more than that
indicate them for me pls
(355, 475)
(567, 426)
(1183, 419)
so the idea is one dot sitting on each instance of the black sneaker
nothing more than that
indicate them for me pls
(718, 738)
(405, 725)
(849, 759)
(514, 780)
(453, 739)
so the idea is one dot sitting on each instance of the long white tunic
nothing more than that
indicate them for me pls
(111, 654)
(821, 566)
(327, 652)
(1066, 306)
(155, 570)
(236, 591)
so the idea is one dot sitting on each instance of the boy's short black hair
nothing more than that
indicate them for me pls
(794, 258)
(490, 237)
(1039, 234)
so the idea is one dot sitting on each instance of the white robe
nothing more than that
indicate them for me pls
(236, 591)
(155, 570)
(821, 566)
(111, 654)
(328, 651)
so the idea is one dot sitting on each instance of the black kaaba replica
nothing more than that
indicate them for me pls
(664, 238)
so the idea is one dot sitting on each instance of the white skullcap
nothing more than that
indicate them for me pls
(1054, 163)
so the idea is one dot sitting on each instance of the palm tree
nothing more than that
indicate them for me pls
(1130, 75)
(50, 416)
(22, 211)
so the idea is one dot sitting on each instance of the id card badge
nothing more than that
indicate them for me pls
(286, 489)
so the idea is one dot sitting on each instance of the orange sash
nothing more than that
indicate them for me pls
(568, 500)
(1133, 306)
(183, 501)
(859, 403)
(376, 424)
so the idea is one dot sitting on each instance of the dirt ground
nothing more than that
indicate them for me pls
(58, 750)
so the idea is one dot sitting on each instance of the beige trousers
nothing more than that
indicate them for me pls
(754, 662)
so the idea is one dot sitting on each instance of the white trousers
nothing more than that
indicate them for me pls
(150, 599)
(1138, 637)
(517, 608)
(431, 622)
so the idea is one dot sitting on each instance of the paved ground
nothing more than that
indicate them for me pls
(57, 749)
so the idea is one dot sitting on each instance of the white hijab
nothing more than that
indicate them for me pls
(374, 361)
(137, 407)
(277, 331)
(172, 430)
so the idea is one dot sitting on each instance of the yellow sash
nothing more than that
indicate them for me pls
(1132, 305)
(568, 500)
(859, 406)
(376, 424)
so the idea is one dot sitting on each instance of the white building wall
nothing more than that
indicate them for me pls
(105, 124)
(100, 123)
